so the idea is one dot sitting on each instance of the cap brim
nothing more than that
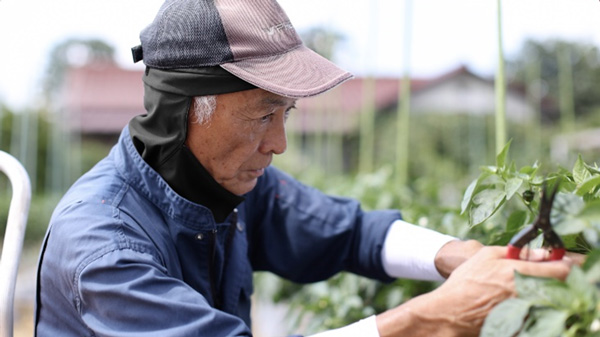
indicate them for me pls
(297, 73)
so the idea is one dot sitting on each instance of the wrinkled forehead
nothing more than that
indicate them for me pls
(259, 99)
(274, 100)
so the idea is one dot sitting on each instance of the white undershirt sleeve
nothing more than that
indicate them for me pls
(364, 328)
(409, 251)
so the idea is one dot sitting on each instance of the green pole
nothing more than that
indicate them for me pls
(55, 156)
(15, 135)
(500, 87)
(32, 153)
(367, 127)
(534, 98)
(319, 152)
(1, 125)
(565, 89)
(403, 111)
(366, 155)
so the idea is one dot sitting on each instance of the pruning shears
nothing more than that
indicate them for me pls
(542, 223)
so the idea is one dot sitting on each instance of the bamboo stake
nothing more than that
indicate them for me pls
(565, 89)
(500, 87)
(403, 110)
(367, 117)
(367, 127)
(534, 97)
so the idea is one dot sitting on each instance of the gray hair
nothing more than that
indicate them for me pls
(203, 108)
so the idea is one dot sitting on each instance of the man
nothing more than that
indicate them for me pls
(162, 236)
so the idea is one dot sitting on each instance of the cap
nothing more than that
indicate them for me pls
(252, 39)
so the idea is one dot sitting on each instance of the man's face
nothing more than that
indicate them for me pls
(238, 142)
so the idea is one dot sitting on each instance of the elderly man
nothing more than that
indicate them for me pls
(162, 236)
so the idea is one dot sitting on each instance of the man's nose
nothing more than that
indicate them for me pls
(275, 140)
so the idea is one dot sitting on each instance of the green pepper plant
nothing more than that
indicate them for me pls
(504, 199)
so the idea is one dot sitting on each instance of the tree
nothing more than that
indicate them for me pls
(584, 60)
(71, 53)
(322, 40)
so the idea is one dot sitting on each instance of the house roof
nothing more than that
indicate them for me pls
(322, 112)
(102, 98)
(346, 101)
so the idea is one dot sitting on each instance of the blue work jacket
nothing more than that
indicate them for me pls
(125, 255)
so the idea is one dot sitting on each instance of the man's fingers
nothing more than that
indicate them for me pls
(537, 266)
(538, 254)
(578, 259)
(554, 269)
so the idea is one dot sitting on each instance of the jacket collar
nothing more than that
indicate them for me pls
(212, 201)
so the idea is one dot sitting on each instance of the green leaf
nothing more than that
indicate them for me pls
(542, 291)
(588, 185)
(591, 211)
(580, 171)
(593, 169)
(587, 239)
(587, 216)
(516, 220)
(489, 169)
(486, 203)
(530, 170)
(545, 322)
(500, 239)
(512, 186)
(468, 195)
(570, 226)
(506, 319)
(592, 266)
(566, 207)
(593, 258)
(501, 157)
(584, 292)
(537, 180)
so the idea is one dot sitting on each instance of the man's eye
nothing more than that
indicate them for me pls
(266, 118)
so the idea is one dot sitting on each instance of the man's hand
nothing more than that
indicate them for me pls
(453, 254)
(459, 306)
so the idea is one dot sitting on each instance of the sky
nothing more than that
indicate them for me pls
(442, 35)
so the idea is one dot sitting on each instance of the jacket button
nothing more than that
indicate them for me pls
(240, 227)
(199, 236)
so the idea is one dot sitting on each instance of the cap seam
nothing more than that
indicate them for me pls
(161, 29)
(262, 57)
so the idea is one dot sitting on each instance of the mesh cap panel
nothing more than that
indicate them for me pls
(252, 39)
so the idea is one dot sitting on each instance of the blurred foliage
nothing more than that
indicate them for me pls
(37, 221)
(18, 139)
(322, 40)
(71, 53)
(585, 62)
(44, 198)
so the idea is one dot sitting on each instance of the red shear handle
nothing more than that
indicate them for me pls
(513, 252)
(555, 254)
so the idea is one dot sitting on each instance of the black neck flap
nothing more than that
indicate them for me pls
(159, 135)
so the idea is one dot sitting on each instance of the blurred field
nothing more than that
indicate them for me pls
(25, 293)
